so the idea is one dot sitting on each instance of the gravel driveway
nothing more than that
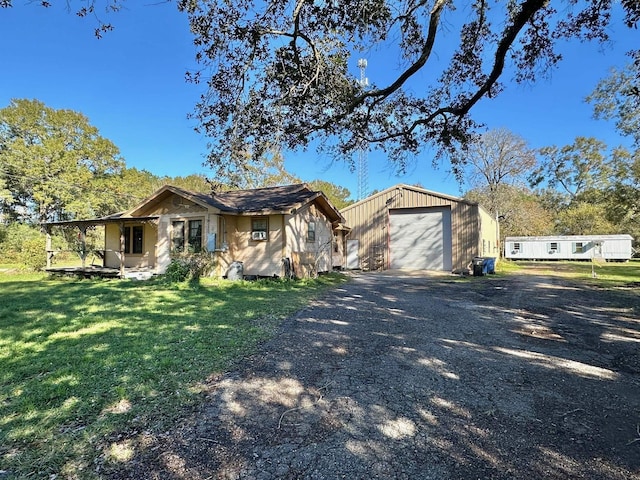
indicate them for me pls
(426, 377)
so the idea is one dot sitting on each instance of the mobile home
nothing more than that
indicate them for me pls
(569, 247)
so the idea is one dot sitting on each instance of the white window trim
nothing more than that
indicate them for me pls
(254, 230)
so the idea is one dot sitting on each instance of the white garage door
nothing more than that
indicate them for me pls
(420, 238)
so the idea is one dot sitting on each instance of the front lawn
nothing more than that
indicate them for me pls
(84, 361)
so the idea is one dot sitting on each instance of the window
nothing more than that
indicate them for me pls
(517, 247)
(336, 248)
(554, 247)
(192, 241)
(127, 240)
(578, 247)
(195, 235)
(137, 239)
(177, 236)
(311, 232)
(133, 239)
(259, 229)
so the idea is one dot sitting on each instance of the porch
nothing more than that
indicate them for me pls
(96, 271)
(94, 261)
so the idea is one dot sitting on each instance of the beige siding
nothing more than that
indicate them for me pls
(259, 257)
(338, 249)
(163, 244)
(172, 205)
(369, 220)
(228, 250)
(309, 257)
(112, 245)
(147, 259)
(490, 235)
(465, 226)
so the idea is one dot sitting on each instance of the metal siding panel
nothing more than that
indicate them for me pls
(464, 227)
(368, 221)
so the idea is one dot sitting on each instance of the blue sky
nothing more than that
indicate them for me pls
(130, 84)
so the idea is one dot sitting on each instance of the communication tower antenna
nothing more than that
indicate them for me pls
(363, 170)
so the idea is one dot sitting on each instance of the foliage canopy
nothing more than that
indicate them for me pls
(277, 72)
(53, 163)
(617, 98)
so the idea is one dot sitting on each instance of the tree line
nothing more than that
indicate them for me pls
(585, 187)
(55, 166)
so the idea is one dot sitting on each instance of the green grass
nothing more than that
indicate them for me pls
(10, 266)
(83, 361)
(66, 259)
(606, 273)
(506, 267)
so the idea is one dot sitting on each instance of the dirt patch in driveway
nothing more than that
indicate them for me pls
(528, 376)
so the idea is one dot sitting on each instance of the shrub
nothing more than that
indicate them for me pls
(177, 271)
(190, 266)
(24, 244)
(201, 264)
(33, 254)
(15, 234)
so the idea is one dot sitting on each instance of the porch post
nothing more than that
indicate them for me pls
(83, 244)
(48, 246)
(121, 225)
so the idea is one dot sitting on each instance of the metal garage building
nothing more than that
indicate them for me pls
(410, 228)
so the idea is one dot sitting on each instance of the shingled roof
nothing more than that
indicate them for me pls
(284, 199)
(279, 199)
(258, 201)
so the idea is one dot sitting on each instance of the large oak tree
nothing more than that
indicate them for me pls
(277, 72)
(54, 164)
(617, 98)
(281, 72)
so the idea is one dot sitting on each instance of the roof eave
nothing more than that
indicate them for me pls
(403, 186)
(100, 221)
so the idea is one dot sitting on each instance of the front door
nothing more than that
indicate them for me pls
(353, 258)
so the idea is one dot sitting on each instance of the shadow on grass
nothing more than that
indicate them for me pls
(86, 359)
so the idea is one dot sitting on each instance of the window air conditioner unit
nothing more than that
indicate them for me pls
(258, 235)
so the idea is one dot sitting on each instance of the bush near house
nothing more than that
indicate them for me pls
(190, 266)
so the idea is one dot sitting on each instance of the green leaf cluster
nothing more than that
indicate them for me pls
(54, 164)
